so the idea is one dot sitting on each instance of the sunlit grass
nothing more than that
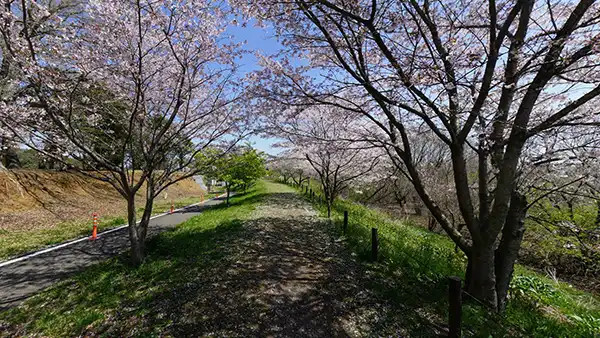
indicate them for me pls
(13, 243)
(414, 265)
(17, 242)
(111, 297)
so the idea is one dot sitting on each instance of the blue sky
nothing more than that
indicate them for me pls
(264, 41)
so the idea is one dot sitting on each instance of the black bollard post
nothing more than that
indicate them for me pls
(345, 221)
(455, 307)
(374, 244)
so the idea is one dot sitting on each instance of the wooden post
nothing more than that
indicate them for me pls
(345, 221)
(374, 244)
(455, 307)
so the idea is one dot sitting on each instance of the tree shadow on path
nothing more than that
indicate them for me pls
(276, 275)
(281, 273)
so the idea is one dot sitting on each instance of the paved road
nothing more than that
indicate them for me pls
(200, 180)
(25, 278)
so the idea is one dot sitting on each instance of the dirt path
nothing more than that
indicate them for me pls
(283, 276)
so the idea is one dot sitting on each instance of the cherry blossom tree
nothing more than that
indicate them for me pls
(490, 79)
(328, 146)
(337, 167)
(127, 91)
(292, 164)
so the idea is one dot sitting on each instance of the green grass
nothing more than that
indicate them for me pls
(113, 299)
(14, 243)
(551, 244)
(412, 273)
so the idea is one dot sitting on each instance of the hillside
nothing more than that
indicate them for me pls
(43, 207)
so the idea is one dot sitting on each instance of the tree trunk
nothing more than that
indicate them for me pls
(417, 207)
(137, 253)
(468, 271)
(508, 250)
(571, 211)
(490, 271)
(11, 158)
(328, 208)
(480, 278)
(431, 223)
(598, 213)
(144, 222)
(227, 187)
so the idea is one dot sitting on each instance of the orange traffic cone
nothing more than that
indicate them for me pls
(172, 207)
(95, 227)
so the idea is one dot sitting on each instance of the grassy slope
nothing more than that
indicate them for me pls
(15, 241)
(415, 264)
(115, 299)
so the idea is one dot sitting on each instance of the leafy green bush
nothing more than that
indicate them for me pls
(533, 287)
